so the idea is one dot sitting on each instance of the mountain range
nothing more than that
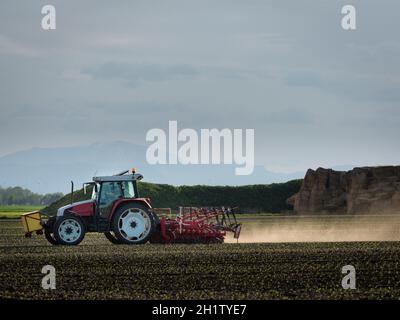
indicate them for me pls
(46, 170)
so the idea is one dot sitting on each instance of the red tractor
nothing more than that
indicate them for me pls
(116, 210)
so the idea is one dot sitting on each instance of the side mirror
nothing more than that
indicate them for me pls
(86, 184)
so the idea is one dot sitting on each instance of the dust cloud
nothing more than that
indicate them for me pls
(319, 229)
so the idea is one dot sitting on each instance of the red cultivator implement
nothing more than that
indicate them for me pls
(197, 225)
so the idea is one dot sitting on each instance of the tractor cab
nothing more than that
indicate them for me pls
(109, 190)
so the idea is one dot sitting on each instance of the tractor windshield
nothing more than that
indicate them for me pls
(111, 191)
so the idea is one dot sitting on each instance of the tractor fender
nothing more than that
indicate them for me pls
(67, 213)
(118, 203)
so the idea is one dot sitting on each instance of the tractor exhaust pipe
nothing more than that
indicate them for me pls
(72, 192)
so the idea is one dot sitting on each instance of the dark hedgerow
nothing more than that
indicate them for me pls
(250, 198)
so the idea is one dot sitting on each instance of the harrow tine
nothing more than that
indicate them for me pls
(217, 218)
(234, 214)
(223, 220)
(228, 215)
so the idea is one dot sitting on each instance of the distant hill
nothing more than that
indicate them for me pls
(46, 170)
(251, 198)
(20, 196)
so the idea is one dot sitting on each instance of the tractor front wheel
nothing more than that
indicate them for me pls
(69, 230)
(133, 223)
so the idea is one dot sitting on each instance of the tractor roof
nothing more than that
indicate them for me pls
(126, 177)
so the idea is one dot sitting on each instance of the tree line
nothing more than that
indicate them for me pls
(250, 199)
(20, 196)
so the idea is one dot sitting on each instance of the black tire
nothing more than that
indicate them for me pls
(50, 237)
(148, 223)
(60, 230)
(157, 235)
(113, 239)
(48, 231)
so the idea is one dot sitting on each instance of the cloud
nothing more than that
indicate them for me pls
(134, 74)
(359, 86)
(307, 86)
(273, 42)
(137, 108)
(8, 46)
(290, 116)
(75, 75)
(132, 41)
(303, 79)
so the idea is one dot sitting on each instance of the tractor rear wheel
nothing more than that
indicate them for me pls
(133, 223)
(69, 230)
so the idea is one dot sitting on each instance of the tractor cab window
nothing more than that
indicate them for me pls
(110, 191)
(128, 189)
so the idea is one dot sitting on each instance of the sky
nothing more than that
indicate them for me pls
(315, 94)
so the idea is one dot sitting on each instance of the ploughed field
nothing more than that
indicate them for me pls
(97, 269)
